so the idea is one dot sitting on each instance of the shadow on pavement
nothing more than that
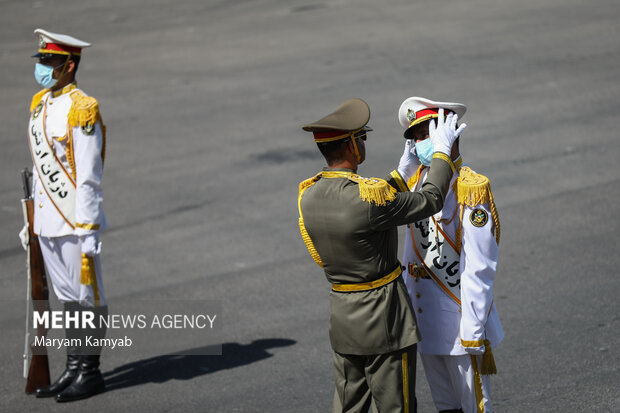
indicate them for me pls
(185, 367)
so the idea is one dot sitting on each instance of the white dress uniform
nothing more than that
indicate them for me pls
(66, 137)
(451, 260)
(452, 333)
(80, 151)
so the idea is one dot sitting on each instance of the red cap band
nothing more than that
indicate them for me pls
(425, 112)
(54, 47)
(327, 135)
(331, 135)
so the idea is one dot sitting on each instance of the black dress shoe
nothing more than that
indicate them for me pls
(88, 382)
(65, 379)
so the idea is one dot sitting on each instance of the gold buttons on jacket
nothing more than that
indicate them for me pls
(419, 310)
(40, 192)
(417, 295)
(41, 205)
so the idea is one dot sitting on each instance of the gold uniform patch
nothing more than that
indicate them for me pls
(478, 217)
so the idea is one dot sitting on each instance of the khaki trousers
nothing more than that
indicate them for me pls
(387, 381)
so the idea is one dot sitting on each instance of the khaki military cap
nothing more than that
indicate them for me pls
(349, 118)
(415, 110)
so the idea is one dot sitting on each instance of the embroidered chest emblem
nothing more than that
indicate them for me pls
(478, 217)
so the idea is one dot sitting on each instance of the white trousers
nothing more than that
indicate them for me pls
(456, 382)
(63, 261)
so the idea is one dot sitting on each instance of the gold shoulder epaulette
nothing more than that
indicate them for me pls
(84, 110)
(374, 190)
(36, 99)
(472, 189)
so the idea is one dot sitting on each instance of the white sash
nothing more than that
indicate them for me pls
(57, 182)
(439, 256)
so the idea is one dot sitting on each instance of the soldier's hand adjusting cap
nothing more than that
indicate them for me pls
(415, 110)
(348, 119)
(445, 133)
(58, 44)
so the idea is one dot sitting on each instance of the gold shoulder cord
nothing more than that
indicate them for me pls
(302, 228)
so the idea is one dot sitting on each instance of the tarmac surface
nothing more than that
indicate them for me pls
(203, 101)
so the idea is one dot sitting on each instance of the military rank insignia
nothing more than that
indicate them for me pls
(478, 217)
(37, 110)
(88, 129)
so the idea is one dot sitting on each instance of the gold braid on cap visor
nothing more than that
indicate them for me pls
(422, 119)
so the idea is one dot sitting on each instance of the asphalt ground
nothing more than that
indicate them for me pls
(203, 101)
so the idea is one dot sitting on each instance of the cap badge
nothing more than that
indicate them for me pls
(410, 115)
(42, 43)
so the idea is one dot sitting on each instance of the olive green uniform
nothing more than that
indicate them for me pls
(373, 331)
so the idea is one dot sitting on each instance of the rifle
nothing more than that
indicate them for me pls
(38, 375)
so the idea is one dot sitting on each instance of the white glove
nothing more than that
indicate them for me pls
(24, 237)
(445, 133)
(90, 244)
(408, 163)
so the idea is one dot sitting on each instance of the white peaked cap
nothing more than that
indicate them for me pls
(54, 43)
(416, 110)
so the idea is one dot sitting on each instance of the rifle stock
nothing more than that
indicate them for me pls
(38, 372)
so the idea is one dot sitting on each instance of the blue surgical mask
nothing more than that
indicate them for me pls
(424, 149)
(44, 75)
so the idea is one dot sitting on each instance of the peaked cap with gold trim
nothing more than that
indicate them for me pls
(415, 110)
(348, 119)
(58, 44)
